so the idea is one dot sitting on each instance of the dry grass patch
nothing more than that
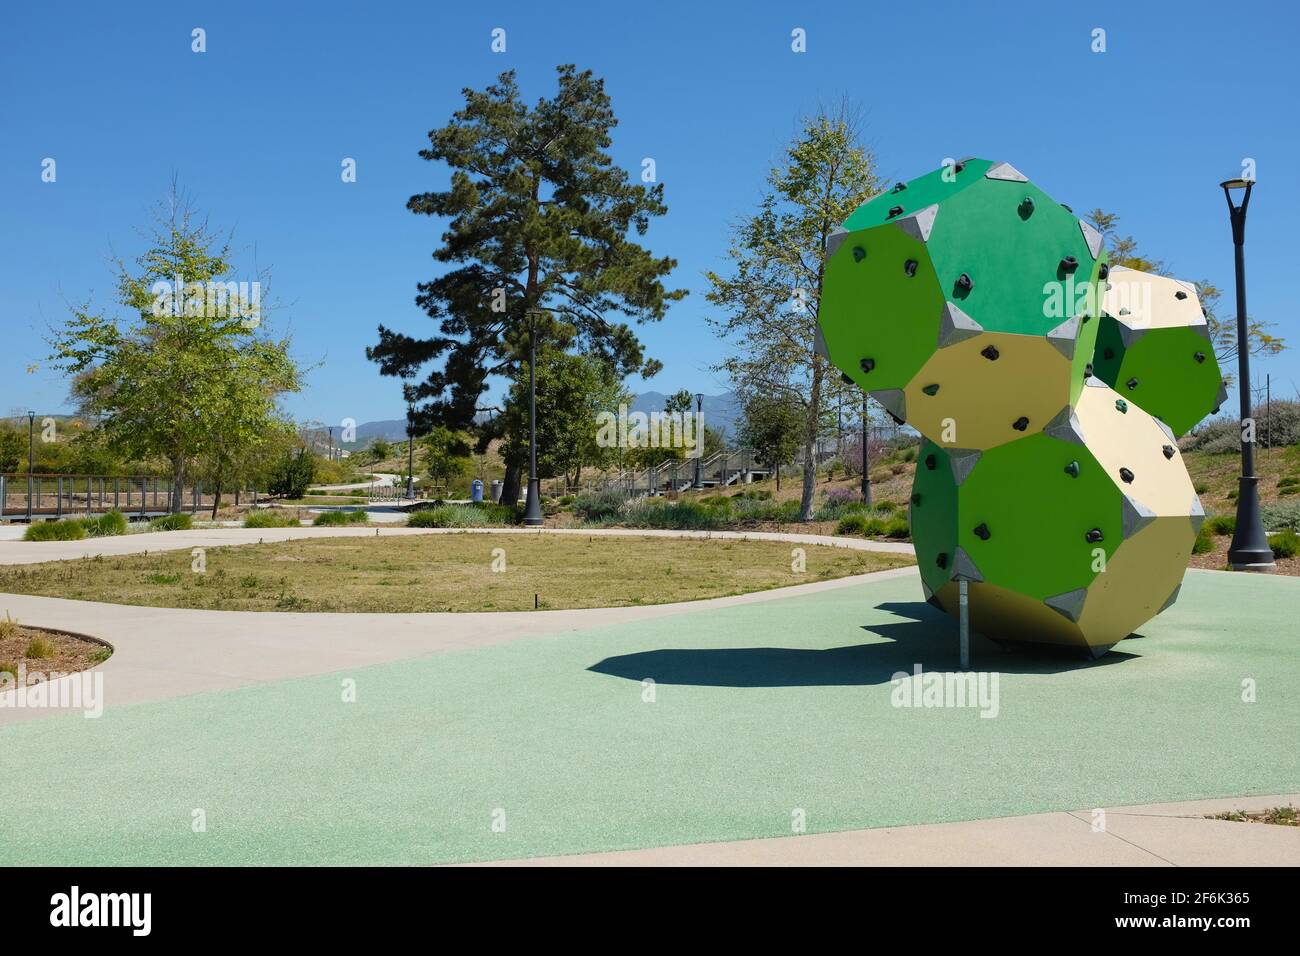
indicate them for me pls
(44, 652)
(444, 572)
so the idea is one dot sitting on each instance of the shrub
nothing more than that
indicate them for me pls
(463, 516)
(40, 648)
(598, 505)
(177, 522)
(9, 667)
(898, 527)
(853, 524)
(1281, 515)
(1200, 487)
(886, 506)
(1222, 524)
(1224, 434)
(339, 518)
(8, 627)
(106, 525)
(70, 529)
(1204, 542)
(270, 518)
(1285, 544)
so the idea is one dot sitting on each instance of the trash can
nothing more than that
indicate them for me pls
(476, 490)
(496, 490)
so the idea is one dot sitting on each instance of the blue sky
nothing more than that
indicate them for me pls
(256, 128)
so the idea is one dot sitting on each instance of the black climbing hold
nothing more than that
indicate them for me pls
(1121, 405)
(959, 166)
(1108, 353)
(1200, 357)
(1072, 469)
(1069, 264)
(1180, 294)
(909, 268)
(931, 389)
(982, 532)
(941, 560)
(1132, 384)
(895, 211)
(990, 352)
(1126, 476)
(1168, 450)
(916, 497)
(1026, 208)
(867, 364)
(899, 187)
(929, 462)
(1103, 271)
(859, 253)
(1020, 424)
(1087, 370)
(1093, 536)
(964, 283)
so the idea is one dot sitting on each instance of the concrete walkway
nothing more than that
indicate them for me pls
(35, 552)
(1160, 834)
(161, 653)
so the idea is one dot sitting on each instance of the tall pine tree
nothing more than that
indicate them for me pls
(540, 217)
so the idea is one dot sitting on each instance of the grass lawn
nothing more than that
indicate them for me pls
(443, 573)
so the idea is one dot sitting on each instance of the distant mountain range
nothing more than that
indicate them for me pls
(721, 412)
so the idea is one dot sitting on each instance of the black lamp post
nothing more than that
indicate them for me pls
(533, 505)
(410, 452)
(699, 440)
(1249, 550)
(31, 459)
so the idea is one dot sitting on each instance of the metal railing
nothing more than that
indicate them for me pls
(26, 497)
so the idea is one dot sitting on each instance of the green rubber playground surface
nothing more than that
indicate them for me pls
(759, 711)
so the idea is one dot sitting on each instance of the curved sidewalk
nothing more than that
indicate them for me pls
(160, 653)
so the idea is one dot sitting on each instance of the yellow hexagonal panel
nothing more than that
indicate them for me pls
(1143, 300)
(985, 386)
(1139, 455)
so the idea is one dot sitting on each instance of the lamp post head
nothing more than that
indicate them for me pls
(1237, 183)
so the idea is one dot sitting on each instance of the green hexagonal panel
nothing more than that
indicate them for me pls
(933, 514)
(1037, 515)
(873, 309)
(1012, 252)
(917, 194)
(1160, 371)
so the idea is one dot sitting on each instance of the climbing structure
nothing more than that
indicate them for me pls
(984, 314)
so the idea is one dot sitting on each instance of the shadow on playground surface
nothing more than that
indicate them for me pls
(929, 638)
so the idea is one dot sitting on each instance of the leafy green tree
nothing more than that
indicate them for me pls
(13, 450)
(446, 455)
(572, 391)
(540, 217)
(772, 297)
(380, 448)
(293, 474)
(1223, 332)
(187, 372)
(772, 428)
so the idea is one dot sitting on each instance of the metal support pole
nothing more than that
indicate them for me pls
(58, 497)
(533, 503)
(963, 622)
(31, 458)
